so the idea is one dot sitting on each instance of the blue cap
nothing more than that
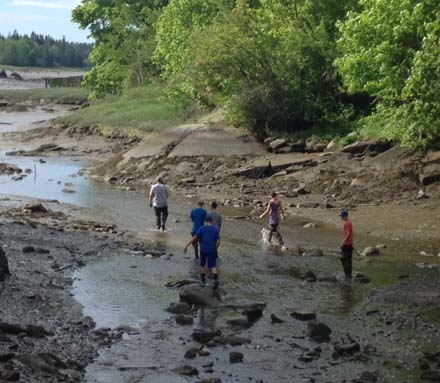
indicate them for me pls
(344, 213)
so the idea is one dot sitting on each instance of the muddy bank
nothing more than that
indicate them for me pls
(43, 334)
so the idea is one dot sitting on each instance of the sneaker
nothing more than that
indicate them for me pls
(203, 284)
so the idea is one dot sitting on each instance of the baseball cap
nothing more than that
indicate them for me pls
(344, 213)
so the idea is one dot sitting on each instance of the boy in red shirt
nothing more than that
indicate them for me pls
(347, 245)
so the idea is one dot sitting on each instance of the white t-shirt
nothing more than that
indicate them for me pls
(159, 192)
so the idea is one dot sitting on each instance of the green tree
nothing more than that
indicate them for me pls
(125, 40)
(389, 49)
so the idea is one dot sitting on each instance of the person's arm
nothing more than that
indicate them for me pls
(220, 223)
(194, 239)
(218, 243)
(266, 211)
(151, 196)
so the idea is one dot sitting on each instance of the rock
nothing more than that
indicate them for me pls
(235, 357)
(318, 331)
(304, 315)
(184, 319)
(6, 357)
(197, 295)
(231, 340)
(11, 328)
(181, 283)
(309, 276)
(111, 179)
(278, 143)
(16, 76)
(205, 336)
(188, 180)
(4, 265)
(310, 225)
(191, 353)
(331, 145)
(346, 349)
(274, 319)
(361, 278)
(314, 253)
(187, 370)
(431, 174)
(40, 250)
(239, 323)
(36, 331)
(367, 377)
(68, 191)
(430, 376)
(283, 150)
(43, 362)
(204, 353)
(371, 251)
(214, 380)
(254, 312)
(361, 147)
(301, 190)
(3, 74)
(421, 195)
(178, 308)
(11, 376)
(35, 208)
(28, 249)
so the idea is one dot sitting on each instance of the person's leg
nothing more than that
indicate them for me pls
(157, 212)
(212, 265)
(164, 217)
(346, 260)
(272, 229)
(203, 262)
(279, 237)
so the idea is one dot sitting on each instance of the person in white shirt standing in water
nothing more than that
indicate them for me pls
(159, 200)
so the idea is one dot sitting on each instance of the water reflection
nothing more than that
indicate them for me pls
(345, 298)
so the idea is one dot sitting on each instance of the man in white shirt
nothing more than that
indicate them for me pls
(159, 200)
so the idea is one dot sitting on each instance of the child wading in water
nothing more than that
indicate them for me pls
(209, 238)
(275, 210)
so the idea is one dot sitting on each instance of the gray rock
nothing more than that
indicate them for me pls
(214, 380)
(278, 143)
(231, 340)
(205, 336)
(12, 328)
(6, 357)
(367, 377)
(361, 278)
(346, 349)
(10, 376)
(3, 74)
(274, 319)
(184, 319)
(239, 323)
(235, 357)
(303, 315)
(318, 331)
(28, 249)
(43, 362)
(371, 251)
(314, 253)
(178, 308)
(329, 279)
(35, 208)
(309, 276)
(254, 312)
(191, 353)
(187, 370)
(197, 295)
(431, 174)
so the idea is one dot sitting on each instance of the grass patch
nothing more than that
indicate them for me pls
(143, 109)
(58, 95)
(25, 69)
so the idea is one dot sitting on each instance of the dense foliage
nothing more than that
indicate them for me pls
(287, 65)
(391, 50)
(42, 51)
(125, 40)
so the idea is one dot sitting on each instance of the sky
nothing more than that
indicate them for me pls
(48, 17)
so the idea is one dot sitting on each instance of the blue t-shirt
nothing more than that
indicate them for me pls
(208, 236)
(198, 216)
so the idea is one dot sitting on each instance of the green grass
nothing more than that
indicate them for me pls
(59, 95)
(142, 109)
(40, 69)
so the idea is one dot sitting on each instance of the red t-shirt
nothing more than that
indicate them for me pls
(348, 233)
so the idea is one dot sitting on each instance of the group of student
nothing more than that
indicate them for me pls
(205, 233)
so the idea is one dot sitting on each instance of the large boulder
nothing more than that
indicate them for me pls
(4, 265)
(278, 143)
(318, 331)
(197, 295)
(430, 174)
(3, 74)
(16, 76)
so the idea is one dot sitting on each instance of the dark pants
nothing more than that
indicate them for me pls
(274, 230)
(346, 259)
(161, 216)
(195, 246)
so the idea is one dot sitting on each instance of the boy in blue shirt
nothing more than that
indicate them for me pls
(197, 216)
(209, 238)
